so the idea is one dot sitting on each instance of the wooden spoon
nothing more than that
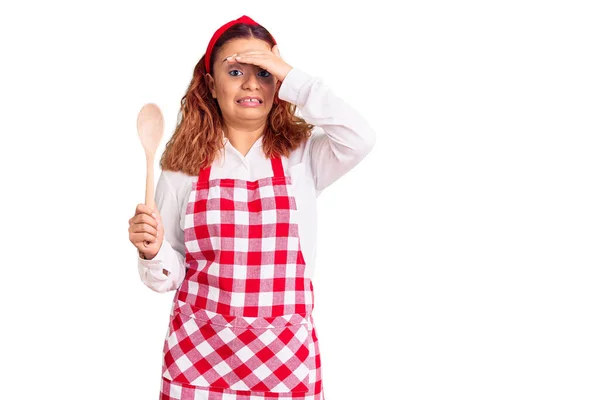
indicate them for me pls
(150, 126)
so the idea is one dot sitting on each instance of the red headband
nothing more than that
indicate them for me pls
(242, 20)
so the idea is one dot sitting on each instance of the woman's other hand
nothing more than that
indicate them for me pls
(146, 231)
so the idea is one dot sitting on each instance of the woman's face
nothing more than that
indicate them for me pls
(232, 81)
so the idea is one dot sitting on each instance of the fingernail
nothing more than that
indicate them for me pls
(154, 215)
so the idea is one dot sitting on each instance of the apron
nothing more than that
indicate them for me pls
(241, 323)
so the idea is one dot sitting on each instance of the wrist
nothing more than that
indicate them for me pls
(146, 257)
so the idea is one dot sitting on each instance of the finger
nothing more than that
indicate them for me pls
(251, 60)
(236, 59)
(144, 228)
(143, 209)
(147, 219)
(259, 54)
(250, 52)
(255, 59)
(141, 238)
(231, 60)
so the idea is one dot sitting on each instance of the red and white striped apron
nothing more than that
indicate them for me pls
(241, 325)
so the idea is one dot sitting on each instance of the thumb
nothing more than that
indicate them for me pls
(276, 51)
(157, 216)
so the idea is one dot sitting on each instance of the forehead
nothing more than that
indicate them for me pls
(241, 45)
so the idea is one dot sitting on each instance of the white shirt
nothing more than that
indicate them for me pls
(340, 139)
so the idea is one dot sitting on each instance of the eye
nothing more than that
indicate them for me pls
(268, 74)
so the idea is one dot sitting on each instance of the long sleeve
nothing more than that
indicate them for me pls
(170, 257)
(347, 136)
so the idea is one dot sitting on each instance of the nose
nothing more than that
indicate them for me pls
(251, 81)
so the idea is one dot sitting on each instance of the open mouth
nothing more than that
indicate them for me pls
(249, 102)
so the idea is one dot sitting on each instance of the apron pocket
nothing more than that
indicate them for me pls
(225, 356)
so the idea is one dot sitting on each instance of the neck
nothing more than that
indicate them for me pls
(242, 138)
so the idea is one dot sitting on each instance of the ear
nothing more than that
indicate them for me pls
(210, 82)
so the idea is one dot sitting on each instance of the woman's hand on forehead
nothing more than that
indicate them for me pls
(269, 60)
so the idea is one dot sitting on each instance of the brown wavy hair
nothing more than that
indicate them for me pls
(198, 136)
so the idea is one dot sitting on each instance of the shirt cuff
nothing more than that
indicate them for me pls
(156, 266)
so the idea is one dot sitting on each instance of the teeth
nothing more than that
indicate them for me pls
(249, 100)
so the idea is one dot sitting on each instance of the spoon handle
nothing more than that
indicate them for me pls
(149, 183)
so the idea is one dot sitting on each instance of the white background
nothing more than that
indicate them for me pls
(459, 260)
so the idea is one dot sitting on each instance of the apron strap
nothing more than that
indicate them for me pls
(277, 167)
(204, 174)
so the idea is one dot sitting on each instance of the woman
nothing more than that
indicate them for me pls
(237, 194)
